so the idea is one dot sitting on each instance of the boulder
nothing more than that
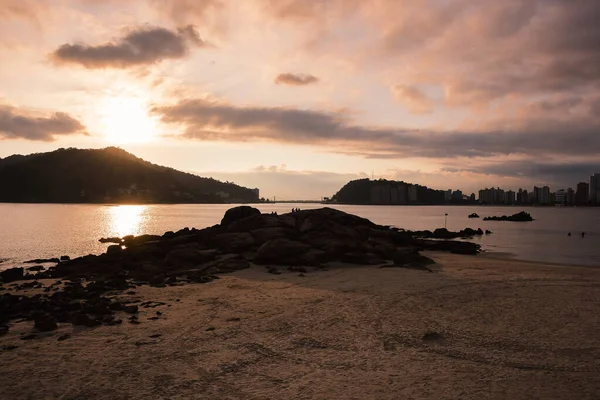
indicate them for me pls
(233, 241)
(263, 235)
(3, 329)
(114, 249)
(237, 213)
(45, 323)
(190, 256)
(130, 309)
(474, 215)
(281, 252)
(65, 258)
(256, 221)
(11, 275)
(36, 268)
(132, 241)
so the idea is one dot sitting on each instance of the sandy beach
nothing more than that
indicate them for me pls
(498, 329)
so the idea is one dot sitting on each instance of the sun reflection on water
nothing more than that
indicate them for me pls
(126, 220)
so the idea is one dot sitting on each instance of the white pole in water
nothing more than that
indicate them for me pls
(445, 220)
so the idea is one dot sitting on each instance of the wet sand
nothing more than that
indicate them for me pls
(506, 329)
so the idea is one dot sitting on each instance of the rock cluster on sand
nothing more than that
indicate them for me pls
(299, 240)
(518, 217)
(474, 215)
(443, 233)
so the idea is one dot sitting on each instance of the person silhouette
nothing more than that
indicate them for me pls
(569, 234)
(582, 234)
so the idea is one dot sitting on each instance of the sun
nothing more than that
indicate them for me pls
(126, 120)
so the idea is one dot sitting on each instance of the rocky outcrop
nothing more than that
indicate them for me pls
(474, 215)
(11, 275)
(518, 217)
(298, 240)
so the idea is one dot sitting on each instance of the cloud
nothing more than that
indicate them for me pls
(296, 79)
(556, 173)
(203, 119)
(413, 99)
(141, 46)
(23, 124)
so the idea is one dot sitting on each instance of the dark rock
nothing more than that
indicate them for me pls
(64, 337)
(411, 258)
(257, 221)
(452, 246)
(281, 252)
(116, 240)
(488, 232)
(11, 275)
(263, 235)
(156, 335)
(474, 215)
(65, 258)
(239, 241)
(518, 217)
(210, 328)
(29, 336)
(130, 309)
(45, 323)
(36, 268)
(9, 347)
(42, 261)
(190, 257)
(134, 241)
(273, 270)
(114, 249)
(238, 213)
(3, 329)
(81, 319)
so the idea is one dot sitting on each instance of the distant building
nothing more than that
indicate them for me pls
(472, 197)
(448, 195)
(457, 196)
(582, 193)
(256, 192)
(541, 195)
(560, 197)
(595, 189)
(570, 196)
(510, 197)
(412, 194)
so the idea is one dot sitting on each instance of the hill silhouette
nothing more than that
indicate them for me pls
(109, 175)
(382, 191)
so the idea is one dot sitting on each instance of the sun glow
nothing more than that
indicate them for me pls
(126, 120)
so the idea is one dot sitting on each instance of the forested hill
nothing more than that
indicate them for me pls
(109, 175)
(381, 191)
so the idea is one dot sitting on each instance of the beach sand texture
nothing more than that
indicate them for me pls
(507, 329)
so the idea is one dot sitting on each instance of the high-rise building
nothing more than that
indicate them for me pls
(448, 195)
(560, 196)
(570, 196)
(510, 197)
(582, 193)
(595, 188)
(541, 195)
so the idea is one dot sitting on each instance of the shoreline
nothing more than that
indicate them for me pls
(474, 327)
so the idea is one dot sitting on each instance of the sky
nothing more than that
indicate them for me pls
(296, 97)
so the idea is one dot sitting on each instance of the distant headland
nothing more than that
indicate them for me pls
(109, 175)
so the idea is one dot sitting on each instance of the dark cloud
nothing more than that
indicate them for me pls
(142, 46)
(21, 124)
(211, 120)
(296, 79)
(552, 173)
